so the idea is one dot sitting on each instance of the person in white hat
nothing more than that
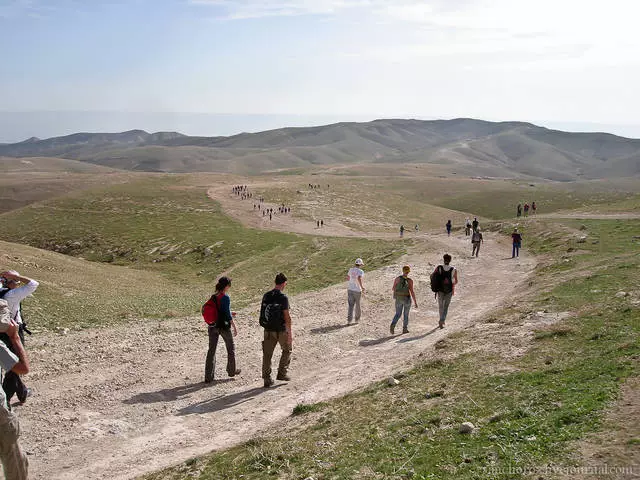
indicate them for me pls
(355, 289)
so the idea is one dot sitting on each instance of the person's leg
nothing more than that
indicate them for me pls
(210, 362)
(513, 251)
(358, 296)
(268, 345)
(405, 318)
(227, 336)
(285, 359)
(446, 300)
(477, 249)
(396, 317)
(14, 460)
(441, 308)
(473, 250)
(518, 250)
(9, 385)
(351, 302)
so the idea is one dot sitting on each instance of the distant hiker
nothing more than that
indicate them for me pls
(475, 223)
(443, 281)
(467, 227)
(517, 243)
(403, 293)
(476, 240)
(416, 227)
(317, 223)
(448, 225)
(533, 208)
(276, 321)
(519, 210)
(401, 230)
(15, 289)
(219, 318)
(321, 222)
(270, 215)
(355, 289)
(13, 360)
(526, 209)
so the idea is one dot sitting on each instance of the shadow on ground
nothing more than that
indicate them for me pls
(331, 328)
(171, 394)
(224, 401)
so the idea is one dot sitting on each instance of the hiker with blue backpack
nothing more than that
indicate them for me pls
(218, 316)
(443, 281)
(403, 293)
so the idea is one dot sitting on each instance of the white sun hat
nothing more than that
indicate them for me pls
(359, 261)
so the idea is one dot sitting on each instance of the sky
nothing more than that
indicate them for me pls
(222, 66)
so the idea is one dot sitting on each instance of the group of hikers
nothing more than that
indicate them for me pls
(520, 209)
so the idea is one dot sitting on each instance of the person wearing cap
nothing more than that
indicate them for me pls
(17, 288)
(516, 237)
(355, 289)
(275, 318)
(12, 360)
(403, 293)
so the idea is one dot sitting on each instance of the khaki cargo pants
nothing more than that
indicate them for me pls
(14, 460)
(271, 339)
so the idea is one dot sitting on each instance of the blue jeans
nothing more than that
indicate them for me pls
(402, 304)
(516, 250)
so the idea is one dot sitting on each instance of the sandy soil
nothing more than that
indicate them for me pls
(114, 403)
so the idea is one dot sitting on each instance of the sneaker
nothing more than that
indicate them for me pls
(268, 382)
(392, 329)
(441, 324)
(237, 372)
(283, 377)
(404, 330)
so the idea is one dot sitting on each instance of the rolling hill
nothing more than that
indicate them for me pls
(505, 149)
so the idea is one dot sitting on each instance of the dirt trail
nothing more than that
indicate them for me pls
(117, 402)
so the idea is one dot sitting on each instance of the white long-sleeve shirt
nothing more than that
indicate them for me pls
(16, 295)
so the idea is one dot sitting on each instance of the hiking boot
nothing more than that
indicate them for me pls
(392, 329)
(268, 382)
(284, 377)
(23, 395)
(208, 380)
(237, 372)
(441, 324)
(405, 330)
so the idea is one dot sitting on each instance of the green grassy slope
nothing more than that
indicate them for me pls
(166, 228)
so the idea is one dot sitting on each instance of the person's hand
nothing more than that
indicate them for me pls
(364, 290)
(415, 305)
(235, 331)
(233, 314)
(13, 329)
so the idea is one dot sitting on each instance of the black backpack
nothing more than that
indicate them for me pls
(271, 316)
(441, 281)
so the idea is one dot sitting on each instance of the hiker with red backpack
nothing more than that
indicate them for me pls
(403, 293)
(218, 316)
(443, 282)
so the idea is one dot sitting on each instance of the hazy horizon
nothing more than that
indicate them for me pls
(19, 126)
(570, 64)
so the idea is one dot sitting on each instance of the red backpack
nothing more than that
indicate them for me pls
(210, 309)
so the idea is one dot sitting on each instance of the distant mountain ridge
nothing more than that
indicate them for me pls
(474, 146)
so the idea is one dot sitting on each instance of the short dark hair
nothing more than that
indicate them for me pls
(447, 259)
(280, 278)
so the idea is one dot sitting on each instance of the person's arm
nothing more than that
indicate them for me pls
(413, 295)
(287, 324)
(455, 276)
(233, 326)
(395, 282)
(225, 308)
(22, 366)
(360, 282)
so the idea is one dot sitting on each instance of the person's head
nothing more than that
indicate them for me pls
(359, 262)
(223, 283)
(447, 258)
(405, 270)
(515, 229)
(281, 280)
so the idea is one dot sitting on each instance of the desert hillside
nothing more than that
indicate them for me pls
(475, 147)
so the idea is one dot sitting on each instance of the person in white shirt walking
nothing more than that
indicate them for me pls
(355, 290)
(16, 288)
